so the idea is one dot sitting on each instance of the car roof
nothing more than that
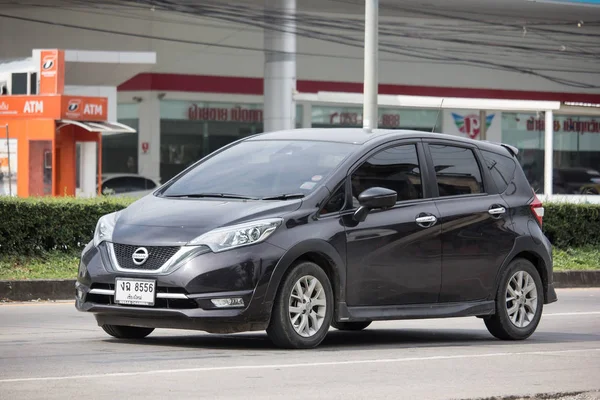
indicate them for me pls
(361, 136)
(106, 176)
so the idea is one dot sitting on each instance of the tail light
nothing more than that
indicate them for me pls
(537, 208)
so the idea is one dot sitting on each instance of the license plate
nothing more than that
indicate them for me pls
(139, 292)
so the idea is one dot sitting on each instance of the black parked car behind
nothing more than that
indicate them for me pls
(293, 232)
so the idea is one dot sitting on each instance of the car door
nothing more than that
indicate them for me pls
(475, 222)
(394, 256)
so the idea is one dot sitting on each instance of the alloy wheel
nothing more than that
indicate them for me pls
(307, 306)
(521, 299)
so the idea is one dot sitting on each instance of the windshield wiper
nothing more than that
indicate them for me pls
(285, 196)
(217, 195)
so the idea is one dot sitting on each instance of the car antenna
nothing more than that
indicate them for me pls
(437, 116)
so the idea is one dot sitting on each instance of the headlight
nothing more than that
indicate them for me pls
(235, 236)
(105, 228)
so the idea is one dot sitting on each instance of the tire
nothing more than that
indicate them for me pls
(127, 332)
(281, 330)
(501, 324)
(350, 326)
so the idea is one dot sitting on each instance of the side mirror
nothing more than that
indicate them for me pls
(376, 197)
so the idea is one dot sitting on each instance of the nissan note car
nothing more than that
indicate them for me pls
(294, 232)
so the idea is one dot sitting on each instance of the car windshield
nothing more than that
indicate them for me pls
(262, 169)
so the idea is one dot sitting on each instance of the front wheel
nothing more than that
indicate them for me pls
(519, 302)
(303, 308)
(127, 332)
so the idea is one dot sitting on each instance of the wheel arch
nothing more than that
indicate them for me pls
(318, 252)
(525, 248)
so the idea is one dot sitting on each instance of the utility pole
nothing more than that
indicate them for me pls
(371, 62)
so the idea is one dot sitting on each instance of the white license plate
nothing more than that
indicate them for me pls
(139, 292)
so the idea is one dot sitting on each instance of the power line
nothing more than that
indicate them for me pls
(256, 18)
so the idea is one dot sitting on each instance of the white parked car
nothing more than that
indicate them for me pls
(129, 185)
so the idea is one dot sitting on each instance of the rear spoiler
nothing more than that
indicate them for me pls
(512, 149)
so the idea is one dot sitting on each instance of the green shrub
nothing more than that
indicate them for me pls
(38, 225)
(572, 225)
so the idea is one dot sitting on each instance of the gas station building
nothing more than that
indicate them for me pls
(181, 86)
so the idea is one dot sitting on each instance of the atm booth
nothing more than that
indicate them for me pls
(51, 143)
(55, 144)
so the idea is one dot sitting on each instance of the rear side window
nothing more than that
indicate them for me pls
(456, 169)
(502, 169)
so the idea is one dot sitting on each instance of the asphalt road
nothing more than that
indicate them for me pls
(50, 351)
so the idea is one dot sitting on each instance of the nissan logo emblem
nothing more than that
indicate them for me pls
(140, 255)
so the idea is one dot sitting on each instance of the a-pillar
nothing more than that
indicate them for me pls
(280, 65)
(149, 135)
(548, 153)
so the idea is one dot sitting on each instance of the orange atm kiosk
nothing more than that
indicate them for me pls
(51, 143)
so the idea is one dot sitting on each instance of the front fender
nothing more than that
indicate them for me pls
(315, 250)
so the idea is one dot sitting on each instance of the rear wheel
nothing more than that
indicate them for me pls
(519, 302)
(350, 326)
(127, 332)
(303, 308)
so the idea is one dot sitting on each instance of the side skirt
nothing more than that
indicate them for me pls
(416, 311)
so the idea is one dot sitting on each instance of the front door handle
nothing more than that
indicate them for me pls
(426, 221)
(497, 210)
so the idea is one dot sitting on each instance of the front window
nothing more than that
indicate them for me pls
(262, 168)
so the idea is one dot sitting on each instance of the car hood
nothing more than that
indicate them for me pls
(159, 221)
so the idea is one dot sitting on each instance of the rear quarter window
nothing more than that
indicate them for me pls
(502, 169)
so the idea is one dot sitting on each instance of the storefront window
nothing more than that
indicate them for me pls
(576, 155)
(120, 151)
(327, 117)
(191, 130)
(526, 133)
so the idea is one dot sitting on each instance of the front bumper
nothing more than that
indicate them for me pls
(184, 293)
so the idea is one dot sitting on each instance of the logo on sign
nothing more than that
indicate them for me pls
(4, 106)
(33, 107)
(48, 63)
(73, 108)
(470, 125)
(145, 147)
(140, 255)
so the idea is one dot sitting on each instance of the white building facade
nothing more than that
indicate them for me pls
(206, 88)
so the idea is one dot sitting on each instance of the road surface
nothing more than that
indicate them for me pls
(51, 351)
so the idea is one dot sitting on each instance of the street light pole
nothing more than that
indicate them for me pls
(371, 62)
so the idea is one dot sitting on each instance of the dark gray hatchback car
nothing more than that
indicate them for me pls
(293, 232)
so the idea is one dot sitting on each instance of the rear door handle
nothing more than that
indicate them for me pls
(426, 221)
(497, 210)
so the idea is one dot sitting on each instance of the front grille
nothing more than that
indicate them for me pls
(157, 256)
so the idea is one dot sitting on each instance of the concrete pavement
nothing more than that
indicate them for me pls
(50, 351)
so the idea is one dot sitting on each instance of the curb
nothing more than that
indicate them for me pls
(39, 289)
(64, 289)
(577, 279)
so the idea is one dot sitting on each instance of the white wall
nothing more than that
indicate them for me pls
(336, 62)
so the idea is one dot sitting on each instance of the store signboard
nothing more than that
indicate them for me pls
(466, 123)
(571, 132)
(211, 111)
(225, 114)
(388, 117)
(561, 124)
(8, 167)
